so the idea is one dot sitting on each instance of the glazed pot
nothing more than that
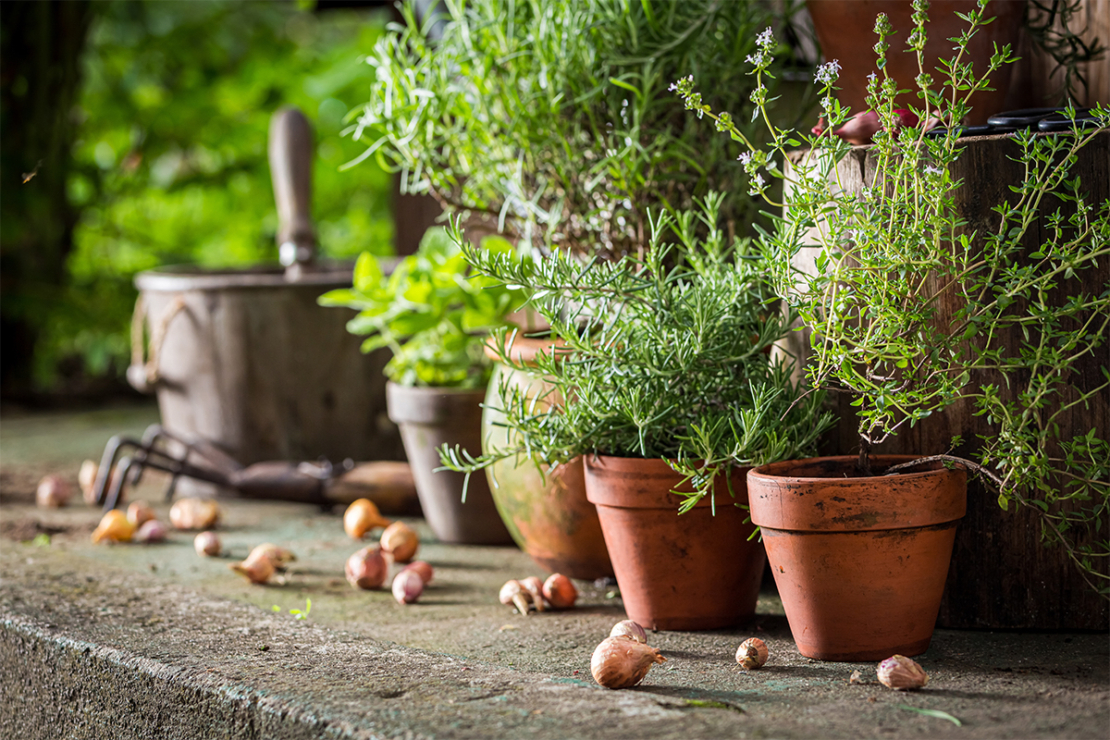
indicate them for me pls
(860, 562)
(694, 571)
(545, 511)
(428, 418)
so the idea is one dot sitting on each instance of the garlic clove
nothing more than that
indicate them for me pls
(194, 513)
(422, 569)
(628, 628)
(534, 586)
(114, 527)
(256, 568)
(362, 516)
(559, 591)
(207, 544)
(399, 542)
(620, 662)
(139, 512)
(513, 592)
(151, 531)
(752, 654)
(900, 673)
(54, 491)
(407, 586)
(366, 568)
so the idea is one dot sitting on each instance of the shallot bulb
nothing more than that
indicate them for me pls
(752, 654)
(559, 591)
(407, 586)
(86, 480)
(207, 544)
(194, 513)
(279, 556)
(114, 527)
(139, 512)
(399, 542)
(900, 673)
(362, 516)
(628, 628)
(514, 593)
(620, 662)
(54, 491)
(534, 586)
(366, 568)
(258, 568)
(422, 569)
(150, 531)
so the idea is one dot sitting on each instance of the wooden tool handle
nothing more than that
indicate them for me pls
(291, 170)
(387, 484)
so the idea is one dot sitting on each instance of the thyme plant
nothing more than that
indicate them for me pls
(890, 253)
(548, 120)
(660, 356)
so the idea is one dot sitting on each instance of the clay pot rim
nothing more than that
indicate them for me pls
(524, 349)
(596, 464)
(770, 471)
(435, 389)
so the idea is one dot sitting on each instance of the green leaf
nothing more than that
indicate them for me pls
(368, 272)
(931, 713)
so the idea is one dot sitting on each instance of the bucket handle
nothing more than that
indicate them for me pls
(142, 374)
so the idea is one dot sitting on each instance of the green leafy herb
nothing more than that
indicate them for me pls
(931, 713)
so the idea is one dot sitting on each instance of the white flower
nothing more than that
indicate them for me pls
(757, 184)
(755, 59)
(766, 39)
(744, 158)
(827, 73)
(931, 170)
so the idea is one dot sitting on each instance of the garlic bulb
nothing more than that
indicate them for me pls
(559, 591)
(279, 556)
(399, 542)
(194, 513)
(752, 654)
(258, 568)
(628, 628)
(534, 586)
(54, 491)
(366, 568)
(114, 527)
(422, 569)
(362, 516)
(513, 593)
(207, 544)
(150, 531)
(899, 673)
(139, 512)
(407, 586)
(620, 662)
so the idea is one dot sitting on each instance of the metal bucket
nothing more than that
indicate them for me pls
(249, 361)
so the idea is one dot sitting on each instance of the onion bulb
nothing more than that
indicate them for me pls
(534, 586)
(514, 593)
(139, 512)
(150, 531)
(422, 569)
(279, 556)
(194, 513)
(752, 654)
(628, 628)
(407, 586)
(366, 568)
(258, 568)
(620, 662)
(900, 673)
(559, 591)
(399, 542)
(54, 491)
(114, 527)
(207, 544)
(86, 480)
(362, 516)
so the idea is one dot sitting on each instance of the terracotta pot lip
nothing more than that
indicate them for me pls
(779, 471)
(434, 390)
(630, 462)
(524, 349)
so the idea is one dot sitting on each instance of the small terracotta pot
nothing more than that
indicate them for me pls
(428, 418)
(545, 511)
(694, 571)
(860, 562)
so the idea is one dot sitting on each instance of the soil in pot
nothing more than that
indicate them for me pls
(694, 571)
(860, 562)
(428, 418)
(546, 511)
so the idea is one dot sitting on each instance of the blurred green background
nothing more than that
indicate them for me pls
(168, 133)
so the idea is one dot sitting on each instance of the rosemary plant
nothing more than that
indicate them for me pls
(664, 356)
(889, 253)
(548, 120)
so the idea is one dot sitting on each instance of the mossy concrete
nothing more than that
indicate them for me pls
(154, 641)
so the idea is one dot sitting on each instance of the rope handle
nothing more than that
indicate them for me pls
(144, 374)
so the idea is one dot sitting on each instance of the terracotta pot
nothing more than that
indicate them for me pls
(694, 571)
(860, 562)
(546, 513)
(846, 30)
(428, 418)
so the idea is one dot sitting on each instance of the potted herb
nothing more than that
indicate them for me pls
(435, 317)
(888, 255)
(669, 393)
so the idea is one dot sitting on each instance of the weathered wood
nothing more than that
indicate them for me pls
(1002, 575)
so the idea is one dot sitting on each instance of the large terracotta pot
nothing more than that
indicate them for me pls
(860, 562)
(428, 418)
(845, 29)
(694, 571)
(546, 511)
